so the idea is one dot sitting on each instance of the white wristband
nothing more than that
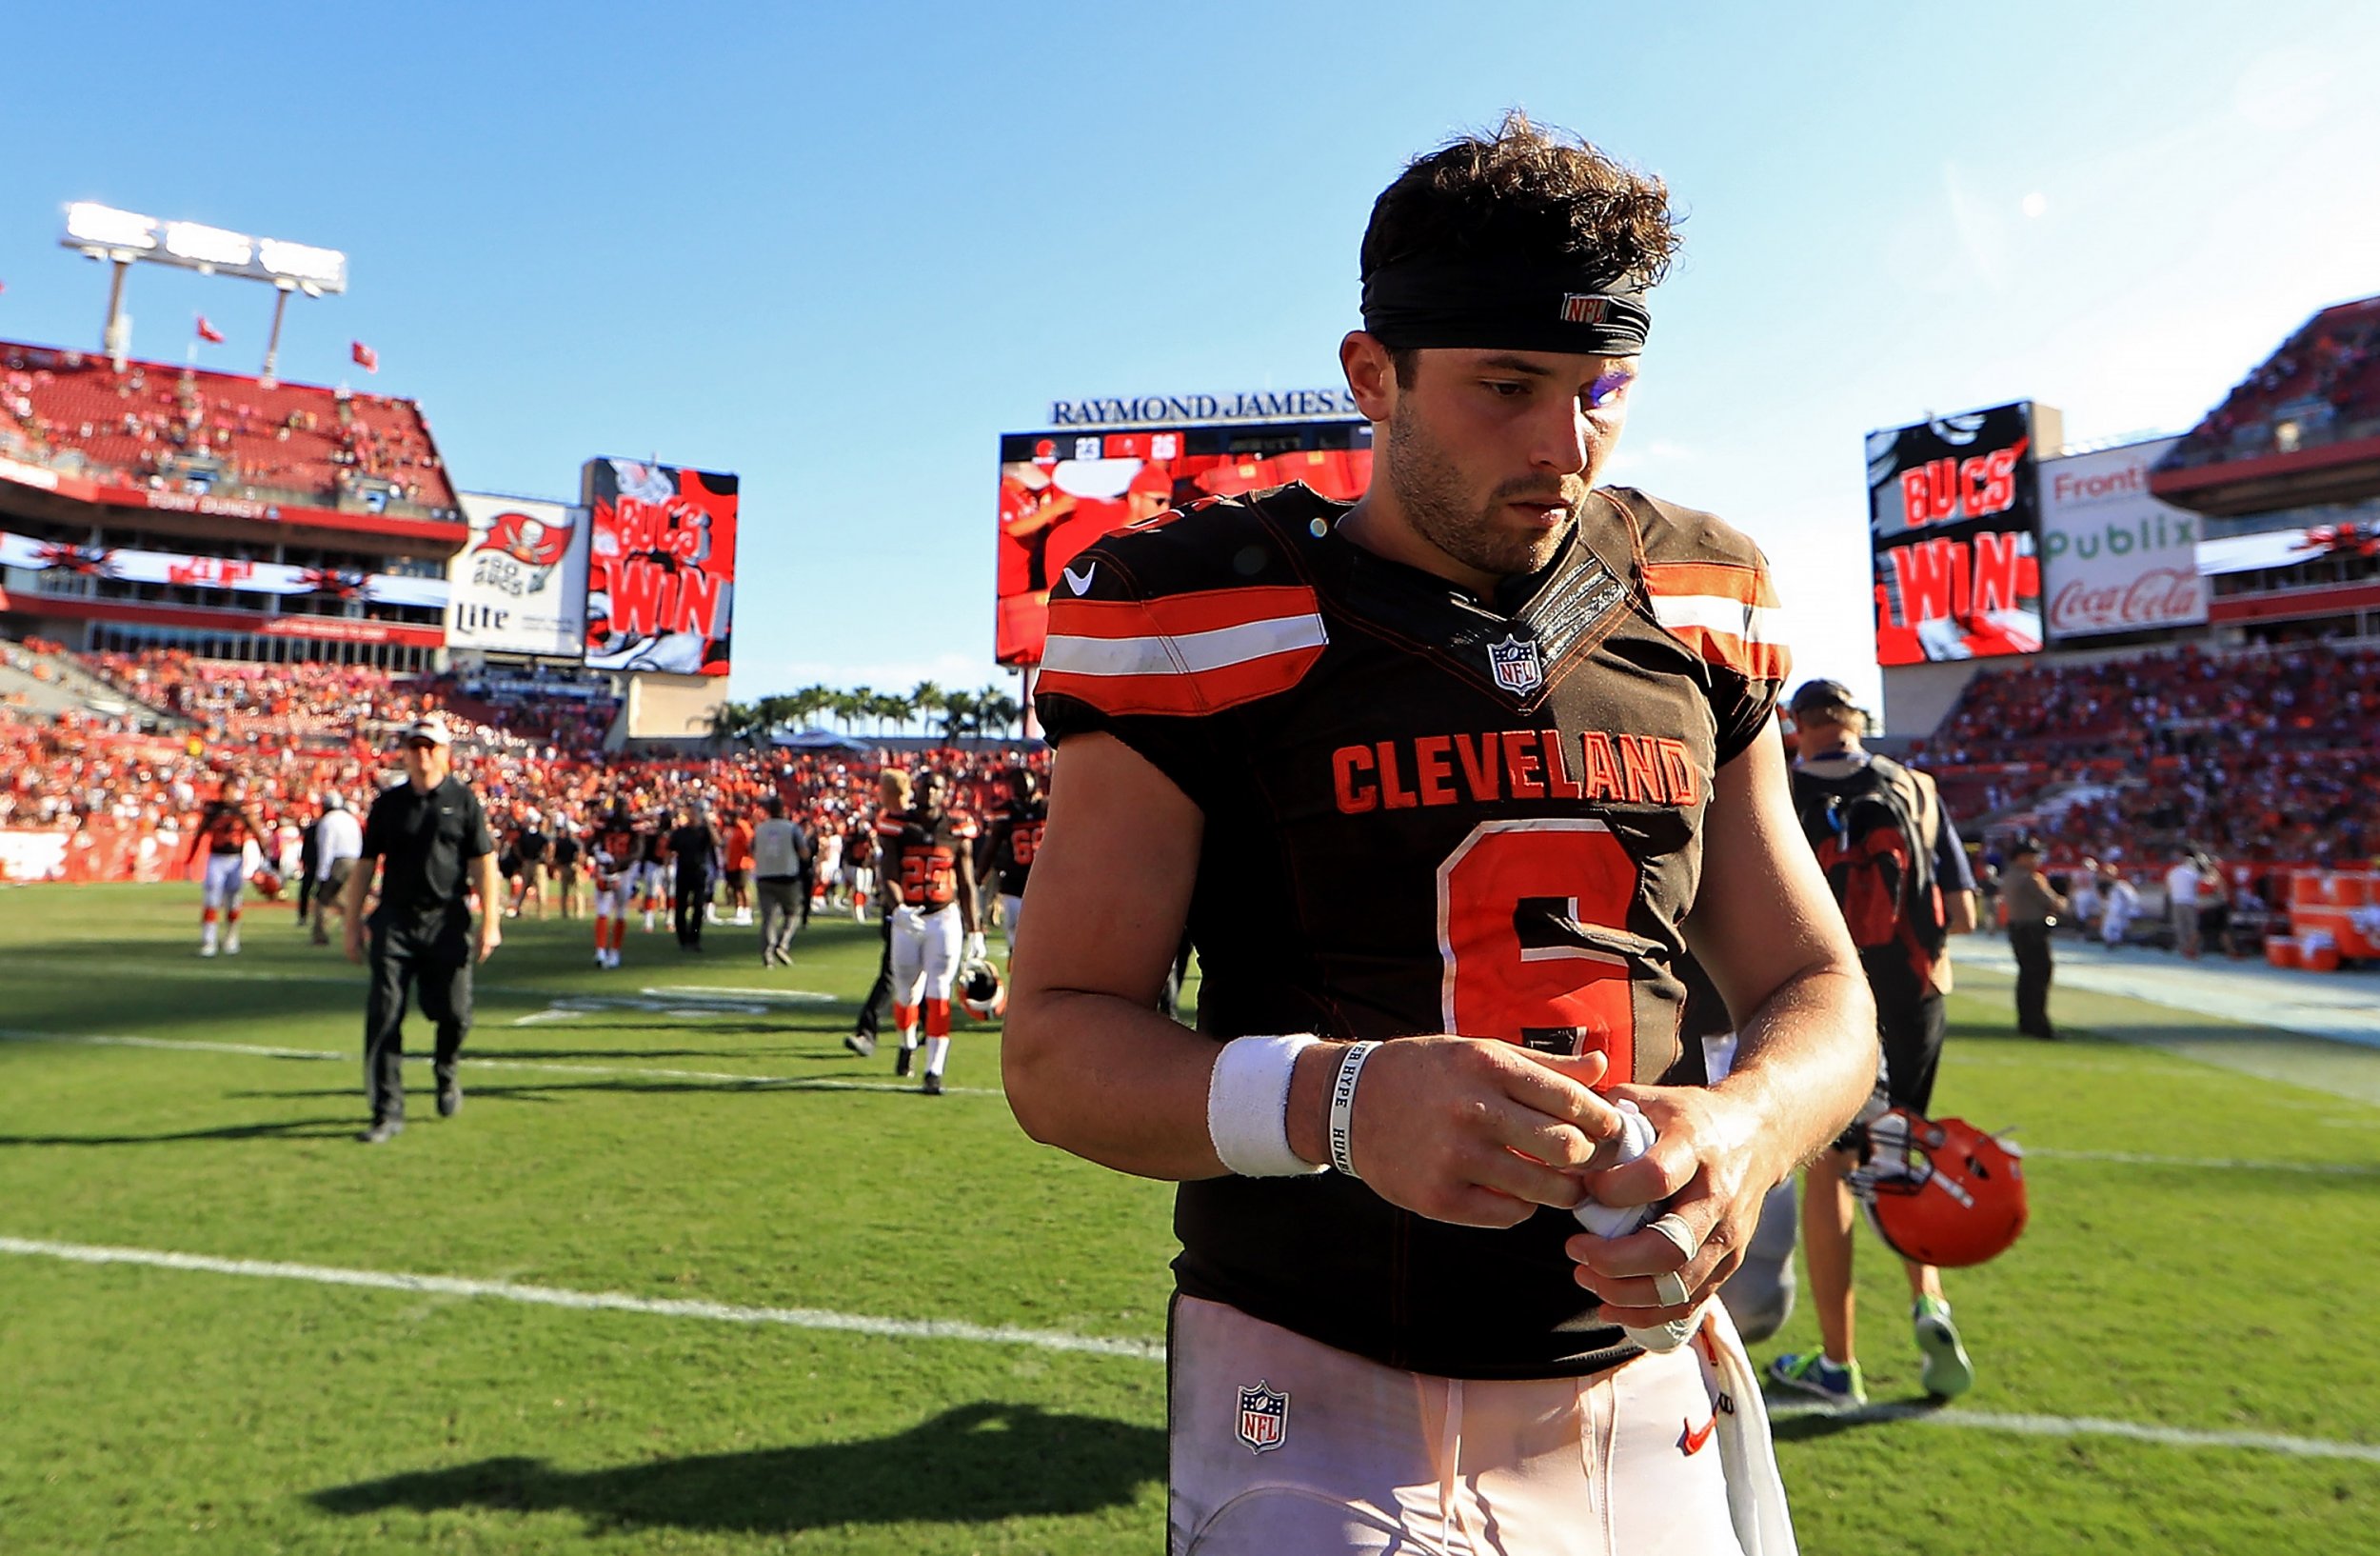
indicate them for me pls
(1343, 1107)
(1247, 1106)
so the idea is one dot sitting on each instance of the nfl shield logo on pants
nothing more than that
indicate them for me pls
(1263, 1417)
(1517, 668)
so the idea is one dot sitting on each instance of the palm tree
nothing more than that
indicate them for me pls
(959, 715)
(927, 699)
(1000, 709)
(891, 706)
(732, 723)
(846, 709)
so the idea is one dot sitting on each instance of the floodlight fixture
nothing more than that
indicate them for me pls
(121, 237)
(88, 225)
(203, 245)
(317, 270)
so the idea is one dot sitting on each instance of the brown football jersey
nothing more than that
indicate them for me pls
(1424, 812)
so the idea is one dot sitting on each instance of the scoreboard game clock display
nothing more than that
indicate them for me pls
(1061, 490)
(1953, 526)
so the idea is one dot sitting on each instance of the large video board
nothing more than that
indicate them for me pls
(1953, 520)
(662, 568)
(1061, 490)
(519, 586)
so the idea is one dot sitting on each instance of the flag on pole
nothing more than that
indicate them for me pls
(207, 331)
(365, 356)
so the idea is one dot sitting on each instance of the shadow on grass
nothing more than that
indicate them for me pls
(1804, 1422)
(304, 1128)
(974, 1464)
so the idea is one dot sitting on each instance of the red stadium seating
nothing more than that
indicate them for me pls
(300, 442)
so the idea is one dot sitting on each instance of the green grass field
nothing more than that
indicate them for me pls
(2164, 1363)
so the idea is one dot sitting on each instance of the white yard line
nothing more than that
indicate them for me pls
(791, 1083)
(615, 1302)
(1052, 1340)
(2060, 1425)
(2212, 1164)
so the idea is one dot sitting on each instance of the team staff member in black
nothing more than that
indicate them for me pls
(431, 833)
(2034, 908)
(695, 848)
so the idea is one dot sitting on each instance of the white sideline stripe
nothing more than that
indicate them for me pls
(1183, 654)
(672, 992)
(616, 1302)
(2221, 1164)
(258, 1051)
(2058, 1426)
(1141, 1351)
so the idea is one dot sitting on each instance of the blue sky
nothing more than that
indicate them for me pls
(840, 251)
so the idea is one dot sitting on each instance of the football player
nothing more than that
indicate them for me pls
(1014, 838)
(1443, 784)
(610, 858)
(225, 830)
(926, 858)
(649, 881)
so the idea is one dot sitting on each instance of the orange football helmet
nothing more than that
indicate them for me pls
(1941, 1192)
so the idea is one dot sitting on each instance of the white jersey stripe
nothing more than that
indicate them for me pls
(1716, 613)
(1183, 654)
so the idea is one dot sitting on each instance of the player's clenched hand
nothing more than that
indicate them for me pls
(1475, 1132)
(1709, 1165)
(355, 939)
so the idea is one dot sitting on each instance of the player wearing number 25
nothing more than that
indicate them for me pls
(1443, 786)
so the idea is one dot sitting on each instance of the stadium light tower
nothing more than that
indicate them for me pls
(121, 237)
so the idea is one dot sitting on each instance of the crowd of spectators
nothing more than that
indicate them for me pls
(2325, 380)
(300, 732)
(154, 426)
(2264, 756)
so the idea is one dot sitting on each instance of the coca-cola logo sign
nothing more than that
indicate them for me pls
(2114, 558)
(2160, 597)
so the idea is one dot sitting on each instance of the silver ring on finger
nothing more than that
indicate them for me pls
(1681, 1236)
(1671, 1287)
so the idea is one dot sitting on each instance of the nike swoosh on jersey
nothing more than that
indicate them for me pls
(1692, 1440)
(1080, 582)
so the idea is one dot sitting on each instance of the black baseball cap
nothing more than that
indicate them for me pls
(2024, 846)
(1812, 695)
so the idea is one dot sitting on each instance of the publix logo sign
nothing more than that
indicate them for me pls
(2163, 530)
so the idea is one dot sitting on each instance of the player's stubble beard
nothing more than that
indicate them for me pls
(1430, 489)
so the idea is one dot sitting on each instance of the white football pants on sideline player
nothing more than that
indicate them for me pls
(924, 953)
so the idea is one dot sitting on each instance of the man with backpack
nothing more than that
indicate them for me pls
(1893, 858)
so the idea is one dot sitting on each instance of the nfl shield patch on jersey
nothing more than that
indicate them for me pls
(1516, 665)
(1263, 1417)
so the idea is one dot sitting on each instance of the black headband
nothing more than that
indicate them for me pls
(1492, 303)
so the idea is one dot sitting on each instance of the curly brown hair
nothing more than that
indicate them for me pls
(1528, 189)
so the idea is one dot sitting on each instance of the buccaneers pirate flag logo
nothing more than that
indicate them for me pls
(519, 551)
(527, 539)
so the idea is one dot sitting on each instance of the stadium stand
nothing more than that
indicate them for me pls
(112, 797)
(2322, 386)
(157, 426)
(2263, 756)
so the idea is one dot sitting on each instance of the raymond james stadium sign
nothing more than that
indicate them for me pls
(1179, 409)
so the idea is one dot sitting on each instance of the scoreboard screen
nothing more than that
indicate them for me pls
(1061, 491)
(1953, 520)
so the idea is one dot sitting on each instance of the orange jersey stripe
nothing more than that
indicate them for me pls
(1725, 580)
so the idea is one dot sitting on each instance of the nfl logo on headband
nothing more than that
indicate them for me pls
(1584, 308)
